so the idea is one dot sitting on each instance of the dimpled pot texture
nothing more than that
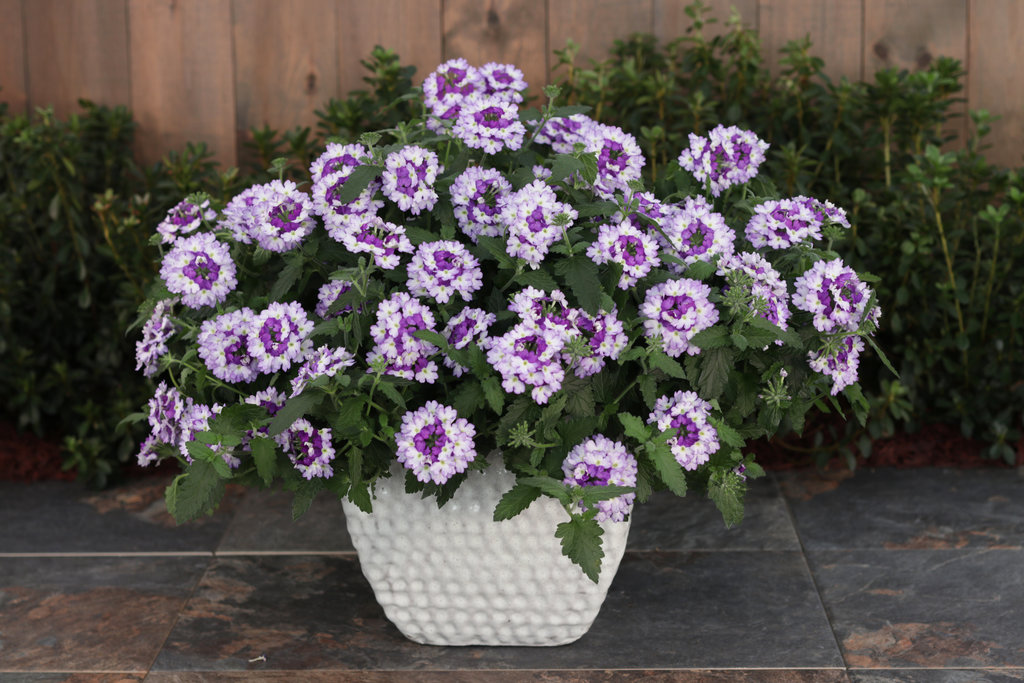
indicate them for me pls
(454, 576)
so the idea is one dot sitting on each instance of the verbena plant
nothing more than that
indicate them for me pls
(481, 279)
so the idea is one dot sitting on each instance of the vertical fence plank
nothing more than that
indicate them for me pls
(183, 85)
(506, 31)
(671, 20)
(994, 82)
(595, 24)
(12, 57)
(835, 28)
(286, 62)
(412, 28)
(76, 49)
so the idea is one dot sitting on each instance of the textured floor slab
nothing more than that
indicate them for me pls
(667, 522)
(908, 509)
(664, 611)
(64, 517)
(263, 523)
(90, 614)
(589, 676)
(70, 678)
(938, 676)
(925, 608)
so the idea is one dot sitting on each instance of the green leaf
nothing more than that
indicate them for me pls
(495, 247)
(581, 543)
(714, 373)
(726, 434)
(670, 366)
(549, 486)
(468, 397)
(670, 471)
(713, 337)
(589, 170)
(265, 457)
(349, 420)
(569, 109)
(289, 274)
(739, 341)
(594, 494)
(515, 500)
(788, 337)
(432, 337)
(195, 492)
(580, 274)
(357, 181)
(700, 270)
(392, 392)
(494, 394)
(727, 490)
(538, 279)
(882, 357)
(649, 390)
(237, 418)
(304, 496)
(564, 165)
(580, 403)
(634, 427)
(292, 410)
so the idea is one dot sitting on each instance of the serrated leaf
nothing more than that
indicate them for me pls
(468, 397)
(634, 427)
(670, 471)
(714, 372)
(882, 357)
(726, 489)
(580, 403)
(580, 274)
(393, 394)
(591, 495)
(589, 170)
(196, 492)
(787, 336)
(237, 418)
(739, 341)
(289, 274)
(494, 394)
(549, 486)
(726, 434)
(670, 366)
(432, 337)
(292, 410)
(581, 543)
(649, 391)
(264, 456)
(700, 270)
(563, 166)
(358, 180)
(538, 279)
(515, 500)
(304, 496)
(349, 420)
(495, 247)
(713, 337)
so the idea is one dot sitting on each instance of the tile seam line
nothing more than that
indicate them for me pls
(177, 617)
(78, 555)
(456, 670)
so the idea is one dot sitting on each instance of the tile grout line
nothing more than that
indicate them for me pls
(177, 618)
(155, 553)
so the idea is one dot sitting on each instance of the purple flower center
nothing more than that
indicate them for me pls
(632, 250)
(274, 336)
(698, 237)
(184, 214)
(451, 82)
(591, 475)
(334, 164)
(674, 308)
(461, 331)
(491, 117)
(845, 288)
(535, 221)
(283, 217)
(236, 353)
(431, 440)
(688, 432)
(612, 156)
(311, 444)
(202, 270)
(530, 348)
(445, 260)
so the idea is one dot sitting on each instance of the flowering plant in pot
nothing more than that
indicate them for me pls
(495, 280)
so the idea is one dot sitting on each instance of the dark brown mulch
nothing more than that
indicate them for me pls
(27, 457)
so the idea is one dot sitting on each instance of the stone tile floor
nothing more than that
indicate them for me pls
(888, 575)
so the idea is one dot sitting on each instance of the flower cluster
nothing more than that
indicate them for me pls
(675, 311)
(155, 334)
(696, 440)
(279, 337)
(402, 354)
(446, 87)
(779, 224)
(224, 346)
(535, 219)
(324, 362)
(468, 326)
(728, 156)
(283, 216)
(562, 133)
(375, 236)
(309, 449)
(625, 244)
(490, 123)
(184, 218)
(329, 173)
(768, 291)
(599, 461)
(199, 268)
(441, 269)
(694, 233)
(435, 443)
(477, 195)
(619, 159)
(408, 179)
(840, 364)
(835, 296)
(328, 294)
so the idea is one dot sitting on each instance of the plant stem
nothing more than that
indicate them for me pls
(991, 279)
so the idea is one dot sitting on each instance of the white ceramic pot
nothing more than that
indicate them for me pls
(454, 576)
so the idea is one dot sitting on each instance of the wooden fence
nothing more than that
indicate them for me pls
(209, 69)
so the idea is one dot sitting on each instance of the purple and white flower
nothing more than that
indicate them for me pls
(183, 219)
(310, 449)
(841, 365)
(477, 195)
(441, 269)
(648, 206)
(375, 236)
(768, 289)
(238, 216)
(633, 249)
(329, 174)
(196, 418)
(835, 296)
(550, 313)
(283, 216)
(406, 356)
(434, 443)
(489, 123)
(447, 87)
(535, 220)
(619, 158)
(223, 346)
(147, 454)
(605, 335)
(409, 175)
(599, 461)
(270, 399)
(779, 224)
(675, 311)
(564, 133)
(324, 362)
(528, 356)
(503, 80)
(165, 411)
(687, 412)
(728, 156)
(155, 333)
(695, 233)
(467, 326)
(200, 269)
(328, 294)
(279, 337)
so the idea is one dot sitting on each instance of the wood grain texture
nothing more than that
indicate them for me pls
(286, 62)
(412, 28)
(183, 87)
(76, 49)
(835, 28)
(671, 20)
(505, 31)
(909, 34)
(995, 80)
(13, 89)
(595, 24)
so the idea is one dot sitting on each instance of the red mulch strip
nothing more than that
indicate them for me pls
(27, 457)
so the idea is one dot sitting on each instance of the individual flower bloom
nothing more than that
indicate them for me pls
(504, 80)
(841, 364)
(526, 356)
(434, 443)
(542, 173)
(455, 78)
(696, 440)
(549, 313)
(283, 216)
(324, 362)
(467, 326)
(165, 409)
(443, 268)
(406, 356)
(409, 176)
(328, 294)
(619, 158)
(768, 289)
(648, 206)
(779, 224)
(329, 174)
(832, 213)
(200, 269)
(633, 249)
(695, 233)
(489, 123)
(835, 296)
(599, 461)
(195, 419)
(604, 334)
(223, 346)
(155, 333)
(728, 156)
(279, 336)
(272, 400)
(564, 132)
(477, 195)
(147, 454)
(238, 216)
(183, 219)
(535, 220)
(374, 236)
(310, 449)
(675, 311)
